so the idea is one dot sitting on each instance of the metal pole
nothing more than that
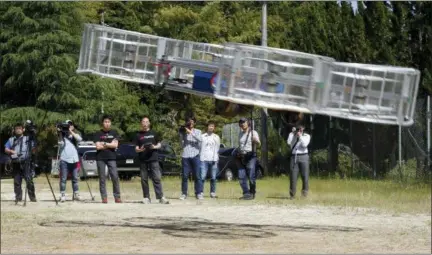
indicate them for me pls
(374, 150)
(231, 136)
(264, 25)
(264, 148)
(428, 130)
(400, 145)
(351, 145)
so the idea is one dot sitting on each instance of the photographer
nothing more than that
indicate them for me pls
(18, 147)
(190, 140)
(299, 141)
(209, 156)
(147, 143)
(246, 159)
(106, 144)
(69, 159)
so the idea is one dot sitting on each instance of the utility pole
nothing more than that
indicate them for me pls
(264, 132)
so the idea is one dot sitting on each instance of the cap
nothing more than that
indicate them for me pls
(242, 120)
(69, 121)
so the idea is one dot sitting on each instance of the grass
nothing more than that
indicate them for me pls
(384, 195)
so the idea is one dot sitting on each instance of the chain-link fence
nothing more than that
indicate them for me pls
(350, 149)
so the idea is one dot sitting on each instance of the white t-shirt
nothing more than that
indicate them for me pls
(242, 138)
(209, 147)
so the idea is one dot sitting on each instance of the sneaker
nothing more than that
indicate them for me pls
(77, 197)
(247, 197)
(213, 195)
(164, 201)
(33, 199)
(63, 198)
(200, 196)
(105, 200)
(118, 200)
(146, 200)
(183, 197)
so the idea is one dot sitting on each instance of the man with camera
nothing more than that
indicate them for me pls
(147, 143)
(190, 140)
(106, 144)
(298, 140)
(246, 158)
(68, 142)
(209, 156)
(20, 147)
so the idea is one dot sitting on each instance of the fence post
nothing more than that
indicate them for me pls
(428, 130)
(351, 147)
(231, 138)
(400, 145)
(374, 150)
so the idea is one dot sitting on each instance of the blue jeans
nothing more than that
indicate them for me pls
(213, 165)
(65, 168)
(191, 165)
(246, 170)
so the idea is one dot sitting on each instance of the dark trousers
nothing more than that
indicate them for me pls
(19, 172)
(299, 163)
(65, 169)
(246, 170)
(191, 165)
(153, 169)
(112, 171)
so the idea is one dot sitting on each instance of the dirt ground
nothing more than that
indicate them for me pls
(210, 226)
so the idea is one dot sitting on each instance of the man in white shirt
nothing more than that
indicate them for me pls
(246, 159)
(298, 142)
(209, 157)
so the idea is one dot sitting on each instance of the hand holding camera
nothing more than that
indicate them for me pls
(186, 128)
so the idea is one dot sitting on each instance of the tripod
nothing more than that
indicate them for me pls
(27, 165)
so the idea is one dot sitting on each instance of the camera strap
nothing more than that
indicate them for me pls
(73, 141)
(245, 142)
(298, 139)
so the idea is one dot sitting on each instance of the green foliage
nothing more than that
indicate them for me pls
(348, 167)
(410, 172)
(40, 42)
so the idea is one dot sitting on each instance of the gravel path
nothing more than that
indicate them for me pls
(204, 227)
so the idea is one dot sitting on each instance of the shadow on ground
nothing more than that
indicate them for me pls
(191, 227)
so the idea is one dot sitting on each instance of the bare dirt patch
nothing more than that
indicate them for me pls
(211, 226)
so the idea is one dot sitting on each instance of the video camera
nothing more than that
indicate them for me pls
(30, 127)
(63, 127)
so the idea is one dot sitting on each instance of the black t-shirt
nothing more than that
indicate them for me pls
(145, 138)
(104, 136)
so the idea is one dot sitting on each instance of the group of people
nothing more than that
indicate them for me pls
(199, 156)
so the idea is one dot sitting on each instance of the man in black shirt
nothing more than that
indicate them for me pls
(147, 143)
(106, 143)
